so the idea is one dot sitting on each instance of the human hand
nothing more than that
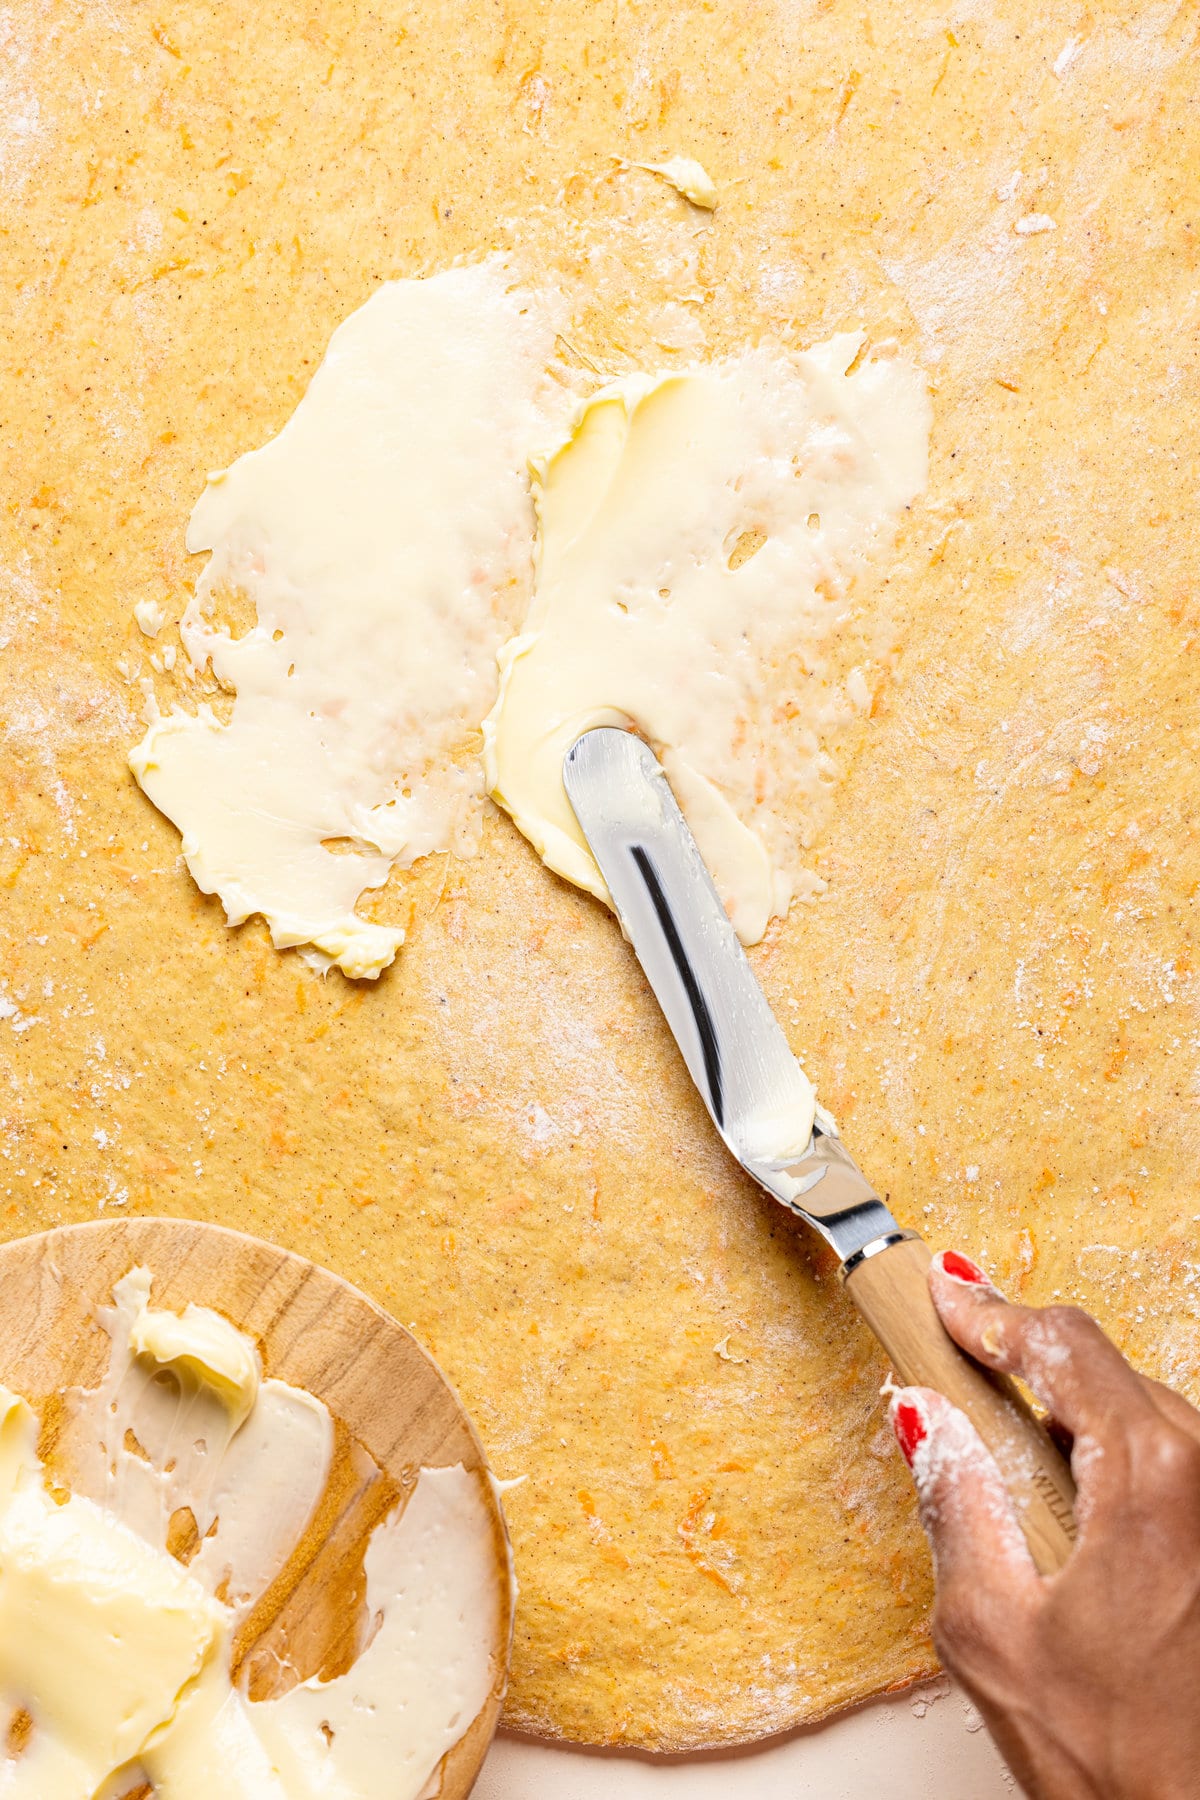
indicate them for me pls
(1089, 1679)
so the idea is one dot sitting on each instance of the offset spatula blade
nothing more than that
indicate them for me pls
(759, 1099)
(665, 899)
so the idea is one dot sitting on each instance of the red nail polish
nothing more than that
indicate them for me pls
(909, 1427)
(961, 1268)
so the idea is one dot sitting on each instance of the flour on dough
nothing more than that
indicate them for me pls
(380, 537)
(699, 535)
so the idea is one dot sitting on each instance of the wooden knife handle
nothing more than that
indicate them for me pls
(891, 1291)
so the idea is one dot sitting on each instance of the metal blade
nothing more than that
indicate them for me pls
(737, 1055)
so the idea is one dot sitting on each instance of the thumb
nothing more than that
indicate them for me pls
(980, 1555)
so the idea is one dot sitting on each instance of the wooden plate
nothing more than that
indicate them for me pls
(315, 1331)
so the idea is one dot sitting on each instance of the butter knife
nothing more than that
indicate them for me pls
(760, 1102)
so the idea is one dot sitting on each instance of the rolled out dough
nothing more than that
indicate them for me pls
(997, 993)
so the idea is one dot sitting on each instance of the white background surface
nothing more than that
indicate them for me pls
(925, 1744)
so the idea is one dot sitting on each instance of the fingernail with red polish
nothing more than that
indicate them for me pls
(961, 1268)
(909, 1426)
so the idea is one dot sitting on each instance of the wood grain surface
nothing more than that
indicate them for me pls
(314, 1330)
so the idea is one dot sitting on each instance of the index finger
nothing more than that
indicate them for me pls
(1068, 1361)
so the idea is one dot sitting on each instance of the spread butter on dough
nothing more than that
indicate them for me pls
(699, 536)
(379, 537)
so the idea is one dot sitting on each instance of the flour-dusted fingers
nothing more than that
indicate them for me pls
(952, 1273)
(1085, 1678)
(987, 1586)
(964, 1503)
(1072, 1366)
